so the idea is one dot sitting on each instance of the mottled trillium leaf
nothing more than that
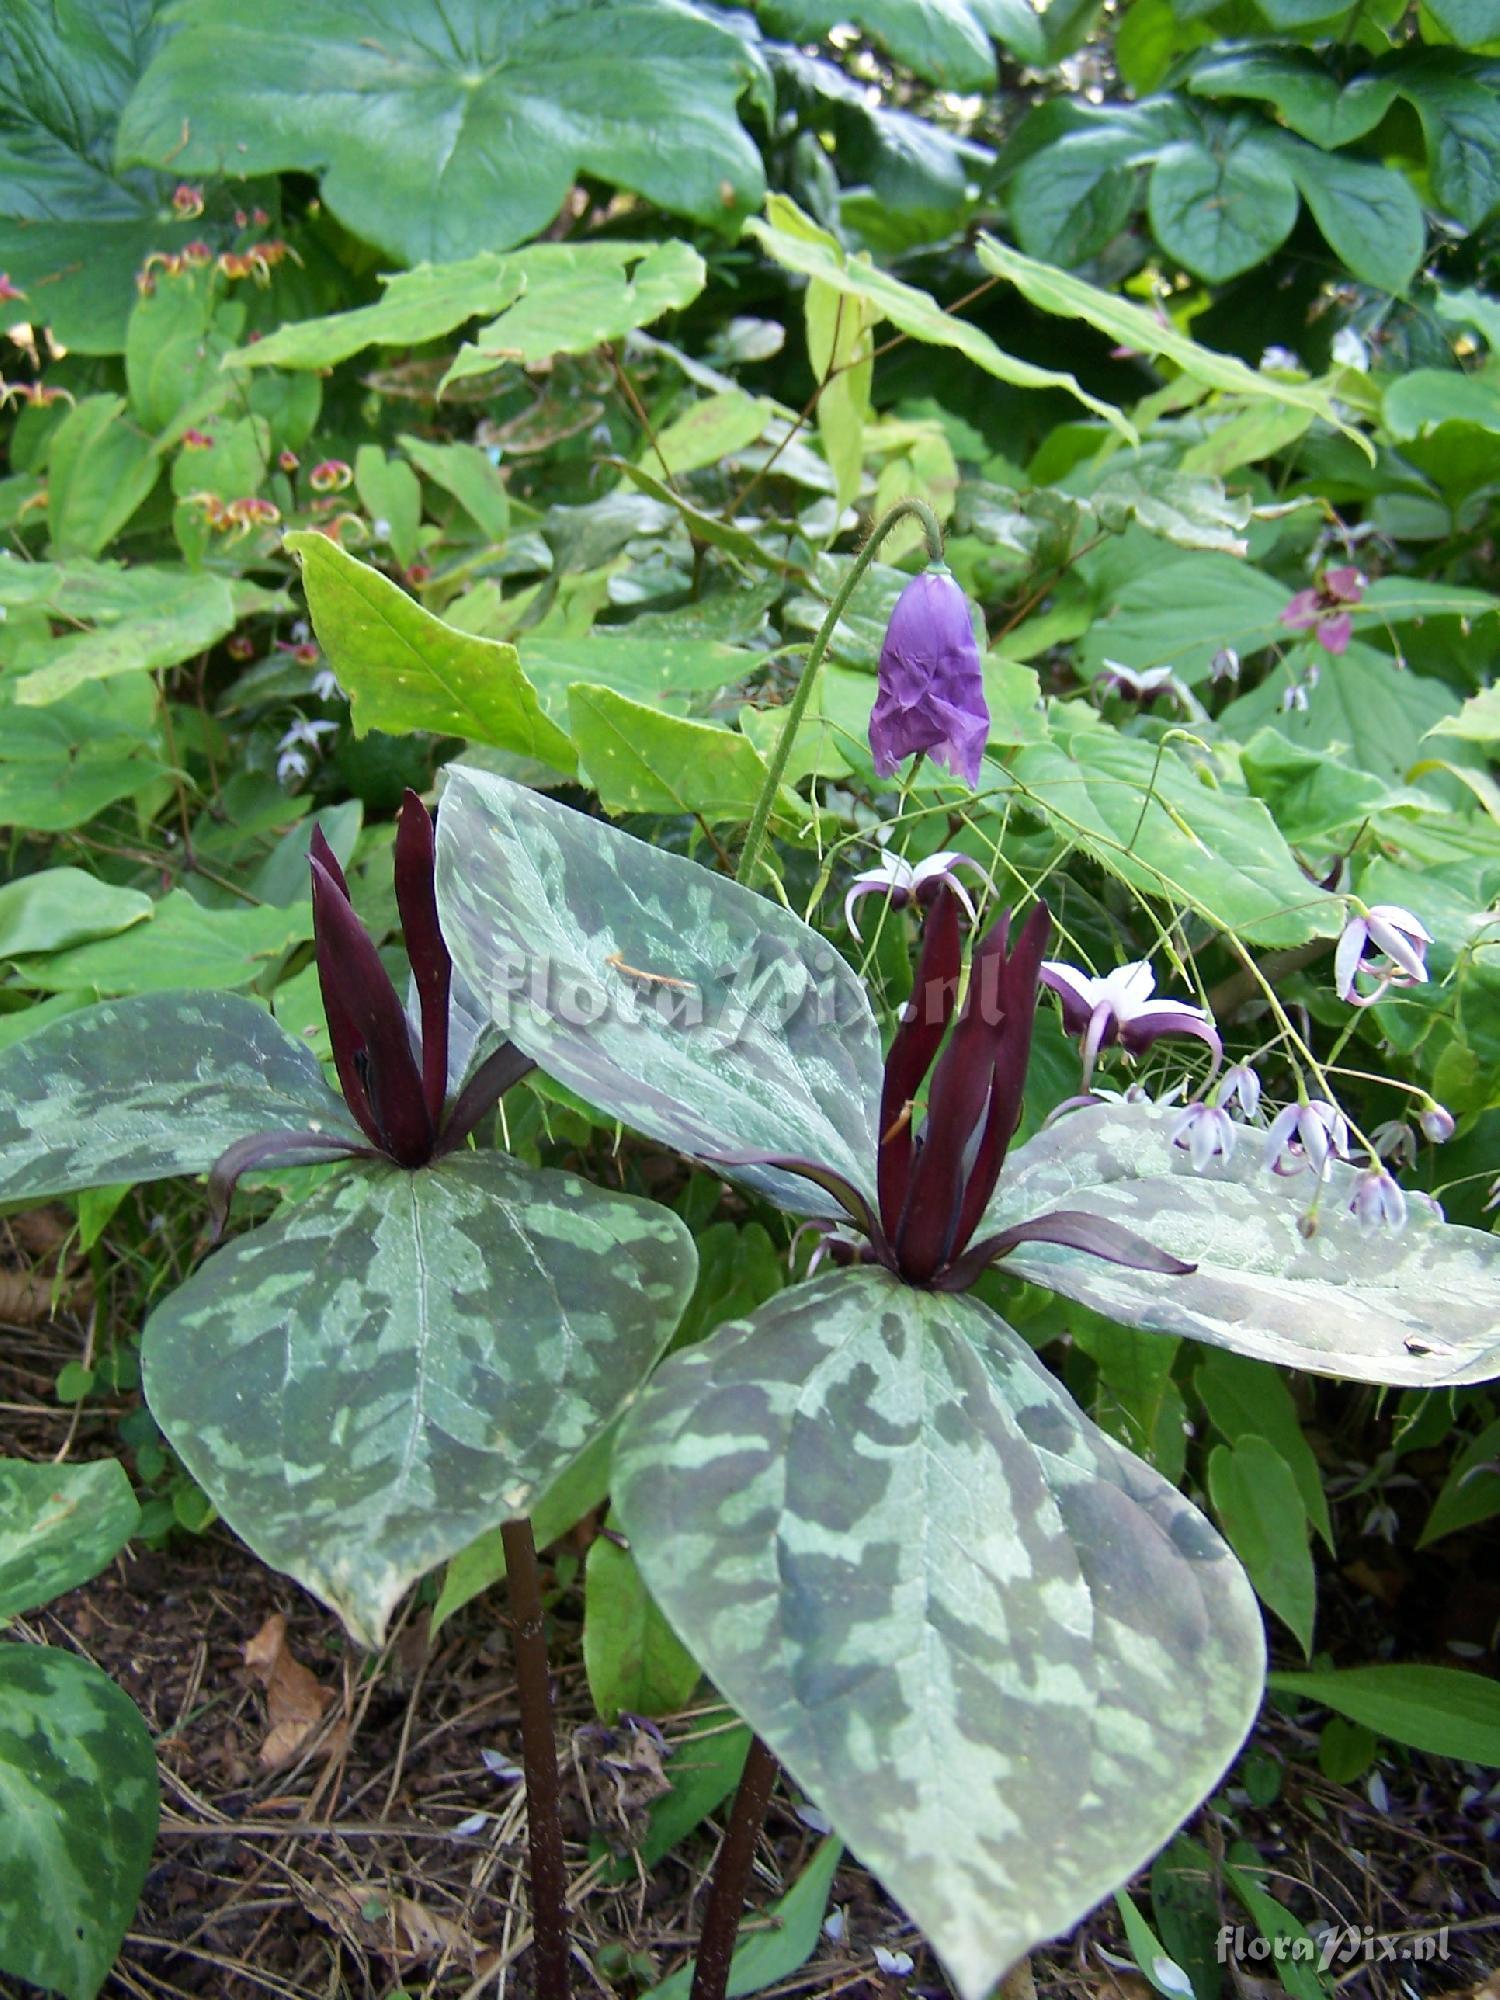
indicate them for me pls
(78, 1781)
(135, 1090)
(1417, 1309)
(1004, 1656)
(404, 1359)
(59, 1525)
(702, 1014)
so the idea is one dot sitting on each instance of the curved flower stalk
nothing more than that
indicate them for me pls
(875, 1448)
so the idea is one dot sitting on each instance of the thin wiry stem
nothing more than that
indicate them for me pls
(549, 1882)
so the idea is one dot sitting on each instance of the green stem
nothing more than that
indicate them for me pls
(796, 708)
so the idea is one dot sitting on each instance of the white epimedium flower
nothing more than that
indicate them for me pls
(1242, 1082)
(901, 882)
(308, 734)
(1307, 1135)
(1119, 1008)
(1436, 1121)
(1349, 351)
(1378, 1202)
(1402, 937)
(1205, 1132)
(325, 685)
(292, 766)
(1396, 1141)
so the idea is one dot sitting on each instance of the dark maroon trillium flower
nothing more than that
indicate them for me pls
(931, 694)
(394, 1076)
(935, 1174)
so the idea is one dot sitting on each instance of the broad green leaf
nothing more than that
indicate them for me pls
(774, 1946)
(704, 1769)
(1364, 709)
(1471, 307)
(231, 464)
(1314, 102)
(193, 610)
(99, 470)
(1073, 197)
(944, 1599)
(1250, 1398)
(1247, 435)
(948, 44)
(467, 473)
(58, 907)
(403, 1359)
(59, 1525)
(640, 760)
(1152, 823)
(1133, 326)
(135, 1090)
(62, 764)
(174, 344)
(1150, 1954)
(391, 494)
(1314, 795)
(1192, 511)
(404, 669)
(711, 429)
(1478, 721)
(78, 1787)
(634, 1660)
(182, 944)
(1461, 123)
(798, 244)
(1301, 1977)
(1471, 23)
(1420, 399)
(700, 1013)
(1421, 1307)
(575, 296)
(1367, 212)
(1260, 1509)
(416, 306)
(441, 129)
(706, 527)
(1221, 209)
(662, 672)
(840, 353)
(1441, 1710)
(1471, 1492)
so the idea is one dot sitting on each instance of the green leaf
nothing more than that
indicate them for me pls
(1364, 709)
(416, 306)
(1245, 1398)
(1478, 721)
(704, 1770)
(1421, 1307)
(78, 1778)
(1312, 794)
(137, 1090)
(949, 45)
(404, 669)
(1418, 401)
(663, 672)
(1181, 610)
(772, 1948)
(1150, 1954)
(798, 244)
(182, 945)
(59, 1525)
(1153, 824)
(1260, 1509)
(338, 1383)
(442, 130)
(58, 907)
(1440, 1710)
(1221, 210)
(1133, 326)
(712, 429)
(633, 1658)
(1299, 1975)
(467, 473)
(62, 764)
(1072, 198)
(1471, 1492)
(1471, 23)
(1368, 214)
(840, 353)
(391, 493)
(695, 1010)
(640, 760)
(192, 610)
(99, 470)
(943, 1599)
(173, 348)
(1315, 103)
(1461, 123)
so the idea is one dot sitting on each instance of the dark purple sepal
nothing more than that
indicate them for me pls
(264, 1149)
(432, 968)
(1137, 1036)
(1075, 1229)
(366, 1020)
(482, 1093)
(924, 1021)
(319, 851)
(1018, 996)
(848, 1198)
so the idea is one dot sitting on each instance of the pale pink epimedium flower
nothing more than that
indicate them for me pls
(1205, 1132)
(1403, 939)
(1322, 609)
(1436, 1121)
(1242, 1082)
(1119, 1008)
(1313, 1135)
(901, 882)
(1377, 1202)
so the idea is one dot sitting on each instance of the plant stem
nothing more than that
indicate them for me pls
(549, 1886)
(797, 706)
(726, 1896)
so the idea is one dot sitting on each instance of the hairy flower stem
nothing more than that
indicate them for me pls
(726, 1896)
(797, 706)
(549, 1886)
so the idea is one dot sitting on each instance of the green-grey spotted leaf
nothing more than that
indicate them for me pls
(1003, 1655)
(700, 1013)
(59, 1525)
(404, 1359)
(77, 1818)
(1419, 1308)
(135, 1090)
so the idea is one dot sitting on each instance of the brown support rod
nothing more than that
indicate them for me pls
(549, 1882)
(726, 1896)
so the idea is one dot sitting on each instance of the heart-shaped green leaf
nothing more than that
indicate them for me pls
(78, 1778)
(59, 1525)
(405, 1359)
(702, 1014)
(1418, 1308)
(135, 1090)
(1002, 1654)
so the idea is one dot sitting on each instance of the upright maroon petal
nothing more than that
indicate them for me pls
(924, 1021)
(432, 968)
(323, 854)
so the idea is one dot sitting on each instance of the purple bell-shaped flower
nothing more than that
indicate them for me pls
(931, 694)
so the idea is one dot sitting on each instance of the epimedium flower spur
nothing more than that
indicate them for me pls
(393, 1076)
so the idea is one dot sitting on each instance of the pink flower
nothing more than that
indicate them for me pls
(1118, 1008)
(1321, 608)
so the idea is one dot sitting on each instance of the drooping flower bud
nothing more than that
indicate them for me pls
(931, 694)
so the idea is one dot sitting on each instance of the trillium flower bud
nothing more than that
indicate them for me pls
(931, 694)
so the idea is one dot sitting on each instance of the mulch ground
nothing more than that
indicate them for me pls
(382, 1855)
